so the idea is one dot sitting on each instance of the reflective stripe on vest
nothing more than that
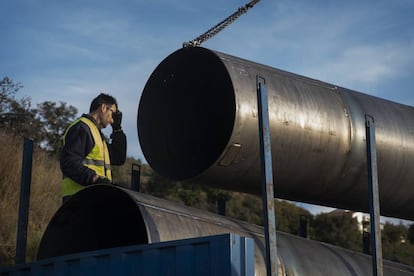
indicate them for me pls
(97, 159)
(100, 163)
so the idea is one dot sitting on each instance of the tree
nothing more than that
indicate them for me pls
(54, 119)
(394, 233)
(14, 114)
(288, 216)
(45, 125)
(245, 207)
(339, 229)
(394, 244)
(8, 90)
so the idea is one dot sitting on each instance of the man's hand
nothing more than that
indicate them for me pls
(95, 178)
(117, 119)
(102, 180)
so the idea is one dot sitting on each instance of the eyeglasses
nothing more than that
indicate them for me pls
(112, 111)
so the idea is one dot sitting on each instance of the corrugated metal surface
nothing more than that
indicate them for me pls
(226, 254)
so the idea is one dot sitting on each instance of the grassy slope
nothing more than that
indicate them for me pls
(45, 196)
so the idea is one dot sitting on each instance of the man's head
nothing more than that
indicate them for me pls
(102, 108)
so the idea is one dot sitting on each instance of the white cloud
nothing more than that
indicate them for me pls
(366, 65)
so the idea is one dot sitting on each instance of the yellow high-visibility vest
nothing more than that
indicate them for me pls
(97, 159)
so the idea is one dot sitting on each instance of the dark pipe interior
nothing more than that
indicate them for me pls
(186, 113)
(95, 218)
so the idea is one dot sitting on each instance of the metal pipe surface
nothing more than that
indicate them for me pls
(197, 119)
(104, 216)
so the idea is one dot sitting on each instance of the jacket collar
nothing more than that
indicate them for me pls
(91, 118)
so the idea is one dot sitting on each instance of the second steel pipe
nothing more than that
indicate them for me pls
(105, 216)
(197, 119)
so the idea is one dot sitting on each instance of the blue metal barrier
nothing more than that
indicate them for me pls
(226, 254)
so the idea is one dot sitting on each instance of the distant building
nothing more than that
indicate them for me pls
(363, 219)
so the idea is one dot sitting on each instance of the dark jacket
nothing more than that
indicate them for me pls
(78, 144)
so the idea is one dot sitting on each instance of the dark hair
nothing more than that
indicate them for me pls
(102, 99)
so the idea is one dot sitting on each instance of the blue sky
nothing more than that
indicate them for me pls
(71, 50)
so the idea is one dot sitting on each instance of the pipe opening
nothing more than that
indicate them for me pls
(97, 217)
(186, 113)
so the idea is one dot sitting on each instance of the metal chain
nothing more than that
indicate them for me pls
(220, 26)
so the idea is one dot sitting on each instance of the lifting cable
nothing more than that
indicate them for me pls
(220, 26)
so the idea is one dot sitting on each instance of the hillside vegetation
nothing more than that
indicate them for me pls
(45, 196)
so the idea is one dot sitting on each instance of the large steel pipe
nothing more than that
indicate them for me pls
(104, 216)
(197, 119)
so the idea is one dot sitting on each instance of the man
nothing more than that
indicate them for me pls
(86, 157)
